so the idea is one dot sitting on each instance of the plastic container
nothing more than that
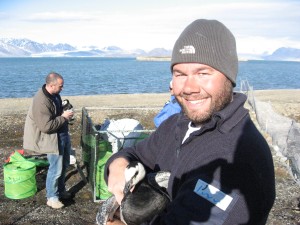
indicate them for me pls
(19, 180)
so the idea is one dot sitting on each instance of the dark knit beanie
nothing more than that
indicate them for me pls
(207, 42)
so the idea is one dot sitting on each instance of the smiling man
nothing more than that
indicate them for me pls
(221, 166)
(200, 90)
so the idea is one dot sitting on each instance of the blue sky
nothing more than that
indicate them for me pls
(259, 26)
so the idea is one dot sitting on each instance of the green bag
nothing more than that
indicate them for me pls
(38, 162)
(17, 157)
(19, 179)
(104, 151)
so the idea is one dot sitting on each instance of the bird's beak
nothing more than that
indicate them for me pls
(128, 186)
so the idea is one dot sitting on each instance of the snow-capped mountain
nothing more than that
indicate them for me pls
(287, 54)
(8, 50)
(28, 48)
(160, 52)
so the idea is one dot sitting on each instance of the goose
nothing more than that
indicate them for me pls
(147, 199)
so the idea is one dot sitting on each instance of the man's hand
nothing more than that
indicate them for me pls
(68, 114)
(115, 222)
(116, 178)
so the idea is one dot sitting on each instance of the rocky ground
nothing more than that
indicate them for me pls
(82, 209)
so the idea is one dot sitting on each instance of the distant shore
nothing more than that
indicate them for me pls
(153, 58)
(283, 100)
(114, 100)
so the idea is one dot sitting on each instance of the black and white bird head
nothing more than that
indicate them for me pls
(147, 199)
(67, 105)
(134, 173)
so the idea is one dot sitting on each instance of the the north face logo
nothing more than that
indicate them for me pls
(189, 49)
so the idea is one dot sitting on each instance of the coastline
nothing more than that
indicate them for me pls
(10, 105)
(281, 100)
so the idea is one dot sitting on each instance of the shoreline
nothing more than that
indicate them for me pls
(284, 101)
(8, 105)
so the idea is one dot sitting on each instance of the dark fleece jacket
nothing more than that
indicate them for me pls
(222, 174)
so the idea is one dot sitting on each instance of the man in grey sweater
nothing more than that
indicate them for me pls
(46, 131)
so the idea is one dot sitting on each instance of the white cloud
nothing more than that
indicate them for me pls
(59, 17)
(262, 45)
(258, 26)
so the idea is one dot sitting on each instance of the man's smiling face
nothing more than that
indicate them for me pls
(200, 90)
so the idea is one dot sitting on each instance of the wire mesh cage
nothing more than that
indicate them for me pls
(99, 141)
(284, 131)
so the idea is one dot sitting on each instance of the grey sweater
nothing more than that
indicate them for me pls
(43, 122)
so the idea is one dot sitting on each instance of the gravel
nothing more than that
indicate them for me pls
(82, 209)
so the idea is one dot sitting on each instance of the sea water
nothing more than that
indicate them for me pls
(22, 77)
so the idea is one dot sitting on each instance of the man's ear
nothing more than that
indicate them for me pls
(171, 87)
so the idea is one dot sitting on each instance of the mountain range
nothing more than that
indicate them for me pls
(11, 47)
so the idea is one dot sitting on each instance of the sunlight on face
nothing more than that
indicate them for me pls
(200, 90)
(57, 86)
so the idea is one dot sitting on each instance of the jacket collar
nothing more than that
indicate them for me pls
(48, 95)
(231, 115)
(223, 120)
(46, 92)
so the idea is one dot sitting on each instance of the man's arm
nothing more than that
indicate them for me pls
(44, 118)
(116, 178)
(67, 114)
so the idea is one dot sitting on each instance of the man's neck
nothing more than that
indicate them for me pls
(48, 89)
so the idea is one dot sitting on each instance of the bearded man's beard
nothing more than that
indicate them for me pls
(219, 102)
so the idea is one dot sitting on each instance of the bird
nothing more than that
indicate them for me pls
(147, 199)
